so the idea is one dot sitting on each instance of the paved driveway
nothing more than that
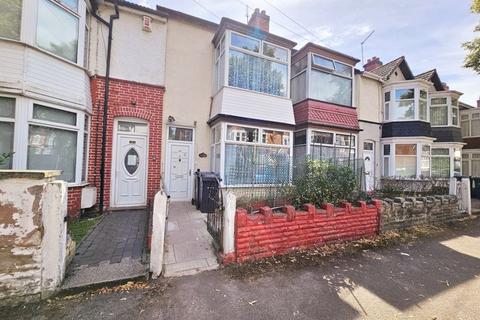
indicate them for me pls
(429, 279)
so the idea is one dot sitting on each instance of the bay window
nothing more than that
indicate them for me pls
(332, 145)
(7, 125)
(52, 141)
(57, 27)
(406, 104)
(256, 65)
(256, 156)
(444, 111)
(330, 81)
(10, 19)
(406, 160)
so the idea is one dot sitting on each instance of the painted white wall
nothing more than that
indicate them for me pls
(228, 241)
(33, 72)
(252, 105)
(368, 99)
(137, 55)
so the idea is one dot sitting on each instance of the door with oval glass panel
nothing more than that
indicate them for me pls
(130, 165)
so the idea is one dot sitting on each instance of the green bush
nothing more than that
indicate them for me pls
(323, 182)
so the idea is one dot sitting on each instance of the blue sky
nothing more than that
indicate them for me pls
(428, 33)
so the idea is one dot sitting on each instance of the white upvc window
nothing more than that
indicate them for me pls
(330, 80)
(443, 110)
(250, 63)
(406, 102)
(58, 27)
(7, 128)
(248, 155)
(332, 145)
(11, 17)
(471, 163)
(44, 136)
(406, 159)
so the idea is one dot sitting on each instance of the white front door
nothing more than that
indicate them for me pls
(179, 165)
(369, 163)
(130, 171)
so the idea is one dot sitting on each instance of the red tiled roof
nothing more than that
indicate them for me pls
(327, 114)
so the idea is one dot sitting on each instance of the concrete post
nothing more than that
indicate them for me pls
(159, 220)
(452, 186)
(230, 204)
(466, 195)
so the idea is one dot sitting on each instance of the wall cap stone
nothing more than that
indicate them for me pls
(30, 174)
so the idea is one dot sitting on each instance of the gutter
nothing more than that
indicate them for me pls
(106, 96)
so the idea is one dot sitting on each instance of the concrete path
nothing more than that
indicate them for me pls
(188, 245)
(113, 251)
(436, 278)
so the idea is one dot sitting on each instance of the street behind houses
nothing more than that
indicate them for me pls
(433, 278)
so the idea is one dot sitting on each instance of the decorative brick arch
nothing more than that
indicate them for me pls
(132, 100)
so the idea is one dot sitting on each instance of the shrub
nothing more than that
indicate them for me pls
(323, 182)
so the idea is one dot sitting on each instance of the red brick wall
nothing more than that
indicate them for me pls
(74, 199)
(126, 99)
(265, 234)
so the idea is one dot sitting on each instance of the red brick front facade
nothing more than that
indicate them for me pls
(74, 200)
(132, 100)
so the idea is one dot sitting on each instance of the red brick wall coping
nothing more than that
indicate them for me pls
(267, 233)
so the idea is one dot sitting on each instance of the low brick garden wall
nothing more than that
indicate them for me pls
(403, 213)
(267, 233)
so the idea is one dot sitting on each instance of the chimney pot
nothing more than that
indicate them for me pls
(260, 20)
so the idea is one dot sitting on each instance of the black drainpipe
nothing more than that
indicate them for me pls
(105, 99)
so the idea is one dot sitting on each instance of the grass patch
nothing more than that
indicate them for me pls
(79, 229)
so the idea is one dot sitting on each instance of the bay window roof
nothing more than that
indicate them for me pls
(386, 70)
(432, 76)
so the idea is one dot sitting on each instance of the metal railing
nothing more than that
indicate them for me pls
(215, 218)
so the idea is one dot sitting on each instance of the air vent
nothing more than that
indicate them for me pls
(147, 23)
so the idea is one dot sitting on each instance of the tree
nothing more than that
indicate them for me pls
(472, 60)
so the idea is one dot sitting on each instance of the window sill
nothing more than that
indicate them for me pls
(77, 185)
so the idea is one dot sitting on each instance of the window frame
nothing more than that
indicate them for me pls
(450, 109)
(353, 147)
(393, 103)
(222, 126)
(229, 47)
(73, 13)
(311, 66)
(20, 27)
(390, 158)
(13, 121)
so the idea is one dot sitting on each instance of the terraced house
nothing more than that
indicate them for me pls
(124, 98)
(419, 126)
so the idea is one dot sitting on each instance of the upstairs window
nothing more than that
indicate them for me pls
(387, 106)
(423, 105)
(10, 19)
(331, 81)
(264, 70)
(438, 112)
(57, 28)
(405, 104)
(454, 112)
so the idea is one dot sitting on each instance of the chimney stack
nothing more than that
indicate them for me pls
(260, 20)
(372, 63)
(445, 86)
